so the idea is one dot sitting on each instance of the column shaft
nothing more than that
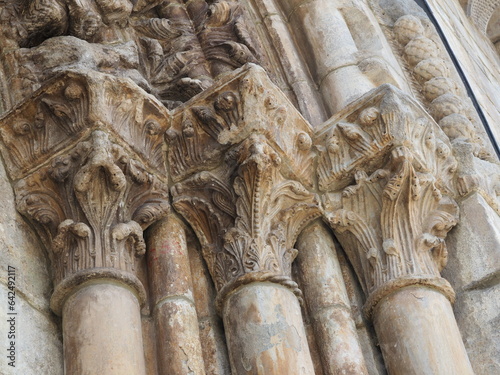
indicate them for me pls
(102, 331)
(328, 303)
(265, 332)
(332, 50)
(178, 340)
(418, 334)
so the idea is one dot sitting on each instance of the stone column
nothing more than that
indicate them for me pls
(99, 339)
(247, 203)
(96, 290)
(328, 303)
(90, 196)
(264, 331)
(333, 53)
(250, 261)
(392, 223)
(418, 333)
(178, 336)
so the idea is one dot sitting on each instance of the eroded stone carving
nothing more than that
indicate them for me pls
(70, 107)
(225, 115)
(85, 164)
(169, 49)
(441, 93)
(393, 220)
(91, 206)
(224, 36)
(481, 12)
(247, 206)
(476, 175)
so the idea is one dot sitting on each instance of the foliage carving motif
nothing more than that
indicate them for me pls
(92, 205)
(393, 220)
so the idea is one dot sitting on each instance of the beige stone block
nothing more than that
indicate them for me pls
(478, 317)
(474, 246)
(21, 248)
(37, 341)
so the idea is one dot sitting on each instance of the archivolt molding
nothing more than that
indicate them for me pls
(442, 94)
(480, 11)
(172, 50)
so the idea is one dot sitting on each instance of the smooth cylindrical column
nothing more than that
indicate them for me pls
(328, 303)
(332, 50)
(265, 332)
(177, 333)
(102, 331)
(418, 334)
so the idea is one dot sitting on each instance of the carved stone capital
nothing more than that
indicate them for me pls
(77, 154)
(241, 156)
(387, 171)
(70, 107)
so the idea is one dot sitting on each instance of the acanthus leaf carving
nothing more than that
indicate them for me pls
(243, 103)
(395, 205)
(224, 37)
(239, 155)
(92, 205)
(249, 227)
(45, 124)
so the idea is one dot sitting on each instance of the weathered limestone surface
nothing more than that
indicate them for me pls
(416, 325)
(178, 338)
(477, 57)
(114, 345)
(215, 352)
(265, 332)
(38, 336)
(474, 271)
(478, 320)
(176, 170)
(328, 303)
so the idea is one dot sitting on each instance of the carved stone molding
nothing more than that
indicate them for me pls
(240, 104)
(171, 49)
(387, 171)
(240, 156)
(476, 175)
(223, 35)
(481, 12)
(78, 154)
(436, 84)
